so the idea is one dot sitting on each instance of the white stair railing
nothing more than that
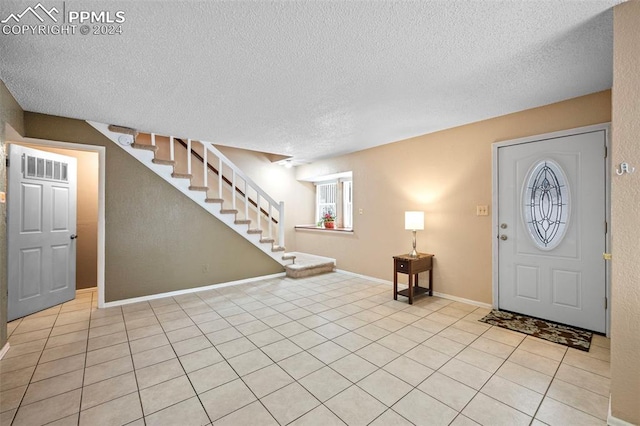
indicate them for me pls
(229, 176)
(243, 182)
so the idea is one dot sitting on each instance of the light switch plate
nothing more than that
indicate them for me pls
(482, 210)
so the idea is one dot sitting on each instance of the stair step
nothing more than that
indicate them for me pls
(293, 271)
(163, 162)
(198, 188)
(181, 175)
(220, 199)
(307, 265)
(144, 146)
(289, 257)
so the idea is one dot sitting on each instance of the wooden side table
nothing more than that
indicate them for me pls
(412, 266)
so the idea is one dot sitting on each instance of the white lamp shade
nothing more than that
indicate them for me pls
(414, 221)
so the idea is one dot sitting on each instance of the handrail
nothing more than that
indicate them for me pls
(225, 179)
(239, 172)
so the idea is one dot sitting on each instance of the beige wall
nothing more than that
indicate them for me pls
(87, 214)
(625, 287)
(445, 174)
(10, 114)
(281, 184)
(157, 240)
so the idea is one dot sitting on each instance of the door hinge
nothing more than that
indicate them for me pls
(7, 162)
(606, 256)
(606, 152)
(606, 227)
(605, 303)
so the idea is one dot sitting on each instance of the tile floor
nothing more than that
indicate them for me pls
(325, 350)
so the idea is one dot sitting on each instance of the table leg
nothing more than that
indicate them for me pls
(395, 285)
(431, 282)
(411, 289)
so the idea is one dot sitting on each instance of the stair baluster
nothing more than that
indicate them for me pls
(150, 143)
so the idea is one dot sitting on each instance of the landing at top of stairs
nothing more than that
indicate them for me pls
(307, 265)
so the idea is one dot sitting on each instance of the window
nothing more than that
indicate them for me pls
(336, 197)
(326, 199)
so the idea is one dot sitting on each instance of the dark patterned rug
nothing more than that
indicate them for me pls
(547, 330)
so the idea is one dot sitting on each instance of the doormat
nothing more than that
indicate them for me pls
(557, 333)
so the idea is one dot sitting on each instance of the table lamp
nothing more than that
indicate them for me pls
(414, 221)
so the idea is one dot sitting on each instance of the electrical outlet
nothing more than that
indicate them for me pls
(482, 210)
(360, 211)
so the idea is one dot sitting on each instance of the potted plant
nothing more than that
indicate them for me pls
(328, 220)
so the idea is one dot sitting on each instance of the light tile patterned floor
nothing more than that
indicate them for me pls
(325, 350)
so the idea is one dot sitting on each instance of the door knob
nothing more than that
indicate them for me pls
(503, 237)
(73, 236)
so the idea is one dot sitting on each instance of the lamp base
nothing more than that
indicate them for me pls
(414, 253)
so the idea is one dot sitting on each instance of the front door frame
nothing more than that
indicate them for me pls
(495, 203)
(13, 136)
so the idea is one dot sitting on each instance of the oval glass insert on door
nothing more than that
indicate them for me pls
(546, 204)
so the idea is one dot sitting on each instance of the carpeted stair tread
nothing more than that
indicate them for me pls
(181, 175)
(144, 146)
(267, 240)
(163, 162)
(228, 211)
(242, 221)
(214, 200)
(254, 231)
(307, 265)
(198, 188)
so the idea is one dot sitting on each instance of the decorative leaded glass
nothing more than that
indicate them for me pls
(545, 204)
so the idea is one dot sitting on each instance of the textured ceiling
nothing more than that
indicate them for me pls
(311, 79)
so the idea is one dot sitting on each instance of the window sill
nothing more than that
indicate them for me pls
(321, 229)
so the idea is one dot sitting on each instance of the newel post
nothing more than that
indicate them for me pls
(281, 225)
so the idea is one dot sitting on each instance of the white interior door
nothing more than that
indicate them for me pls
(41, 230)
(552, 229)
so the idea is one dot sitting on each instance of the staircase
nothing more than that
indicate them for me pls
(204, 174)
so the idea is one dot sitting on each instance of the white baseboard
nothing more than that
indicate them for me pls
(614, 421)
(435, 293)
(366, 277)
(189, 290)
(4, 350)
(463, 300)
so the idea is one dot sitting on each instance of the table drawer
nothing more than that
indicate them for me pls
(402, 266)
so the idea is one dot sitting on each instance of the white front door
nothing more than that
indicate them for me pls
(41, 230)
(552, 228)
